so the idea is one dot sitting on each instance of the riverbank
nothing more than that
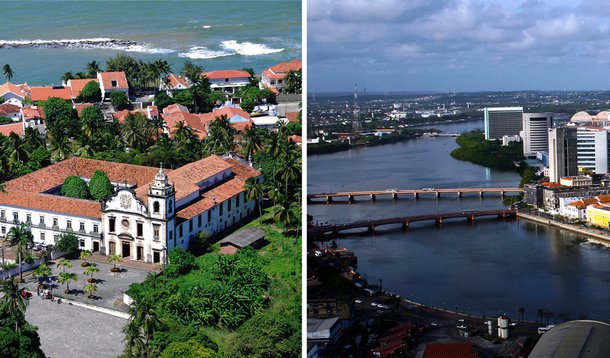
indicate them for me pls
(595, 236)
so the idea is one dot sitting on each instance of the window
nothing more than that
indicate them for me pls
(15, 216)
(171, 207)
(69, 224)
(2, 213)
(209, 215)
(156, 229)
(82, 243)
(3, 230)
(96, 228)
(111, 224)
(180, 230)
(42, 236)
(221, 209)
(226, 80)
(190, 225)
(28, 218)
(114, 83)
(229, 205)
(41, 220)
(237, 200)
(55, 238)
(140, 229)
(55, 222)
(81, 226)
(156, 207)
(171, 235)
(199, 220)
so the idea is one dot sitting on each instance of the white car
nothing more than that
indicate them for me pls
(358, 301)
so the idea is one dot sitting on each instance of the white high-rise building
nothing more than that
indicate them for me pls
(592, 149)
(536, 132)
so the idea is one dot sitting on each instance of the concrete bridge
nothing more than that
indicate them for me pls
(371, 225)
(415, 193)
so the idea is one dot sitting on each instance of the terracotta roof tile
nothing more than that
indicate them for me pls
(20, 90)
(292, 116)
(52, 203)
(46, 92)
(32, 112)
(108, 77)
(80, 106)
(284, 67)
(222, 74)
(6, 109)
(77, 85)
(176, 80)
(7, 129)
(120, 115)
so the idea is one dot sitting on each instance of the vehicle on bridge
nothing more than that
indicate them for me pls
(428, 189)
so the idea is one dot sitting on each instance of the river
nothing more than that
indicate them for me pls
(486, 268)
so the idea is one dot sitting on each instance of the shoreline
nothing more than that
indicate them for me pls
(591, 235)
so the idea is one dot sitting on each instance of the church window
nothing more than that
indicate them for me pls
(199, 220)
(111, 224)
(3, 230)
(180, 231)
(55, 222)
(140, 229)
(1, 213)
(81, 226)
(28, 218)
(171, 235)
(96, 228)
(42, 236)
(171, 207)
(209, 215)
(156, 207)
(69, 224)
(190, 225)
(237, 200)
(156, 229)
(221, 209)
(41, 220)
(82, 243)
(229, 205)
(15, 216)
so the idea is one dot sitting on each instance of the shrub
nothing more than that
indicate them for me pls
(67, 243)
(100, 186)
(75, 187)
(91, 92)
(180, 263)
(119, 100)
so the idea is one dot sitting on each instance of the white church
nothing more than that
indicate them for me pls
(152, 211)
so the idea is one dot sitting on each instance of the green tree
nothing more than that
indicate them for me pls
(60, 118)
(93, 68)
(190, 70)
(91, 121)
(67, 76)
(60, 148)
(91, 92)
(220, 136)
(64, 264)
(90, 270)
(188, 349)
(163, 100)
(75, 187)
(137, 131)
(91, 288)
(67, 243)
(21, 237)
(15, 150)
(250, 142)
(254, 191)
(127, 64)
(247, 104)
(119, 100)
(8, 72)
(114, 259)
(184, 98)
(292, 82)
(200, 92)
(84, 255)
(180, 263)
(66, 278)
(43, 271)
(100, 186)
(13, 302)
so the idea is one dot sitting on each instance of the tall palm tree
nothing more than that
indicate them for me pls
(254, 191)
(134, 340)
(250, 142)
(220, 136)
(283, 213)
(67, 76)
(8, 72)
(15, 149)
(137, 131)
(60, 148)
(13, 302)
(21, 237)
(93, 68)
(292, 82)
(90, 287)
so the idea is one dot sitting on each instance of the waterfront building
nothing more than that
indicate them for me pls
(14, 94)
(598, 214)
(173, 82)
(501, 121)
(582, 339)
(577, 209)
(536, 132)
(229, 81)
(273, 77)
(76, 85)
(562, 152)
(42, 93)
(592, 149)
(151, 212)
(579, 180)
(112, 82)
(509, 139)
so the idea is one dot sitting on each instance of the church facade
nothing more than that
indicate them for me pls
(152, 210)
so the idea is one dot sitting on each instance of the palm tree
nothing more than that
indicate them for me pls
(15, 150)
(540, 313)
(90, 270)
(144, 315)
(137, 131)
(254, 191)
(114, 259)
(220, 136)
(522, 313)
(134, 341)
(84, 255)
(66, 277)
(93, 68)
(67, 76)
(292, 82)
(184, 136)
(90, 287)
(13, 302)
(86, 151)
(282, 213)
(21, 237)
(64, 264)
(42, 271)
(8, 72)
(250, 142)
(60, 148)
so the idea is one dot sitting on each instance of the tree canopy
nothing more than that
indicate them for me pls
(100, 186)
(91, 92)
(119, 99)
(75, 187)
(60, 118)
(67, 243)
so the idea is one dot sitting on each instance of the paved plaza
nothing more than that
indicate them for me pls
(70, 331)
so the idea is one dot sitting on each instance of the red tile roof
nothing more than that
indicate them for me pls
(44, 93)
(7, 129)
(6, 109)
(120, 115)
(176, 80)
(32, 112)
(119, 77)
(272, 89)
(284, 67)
(222, 74)
(453, 350)
(153, 111)
(230, 112)
(296, 138)
(20, 90)
(292, 116)
(80, 106)
(78, 84)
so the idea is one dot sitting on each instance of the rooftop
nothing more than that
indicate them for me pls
(244, 237)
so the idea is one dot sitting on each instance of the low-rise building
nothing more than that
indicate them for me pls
(42, 93)
(250, 237)
(112, 82)
(11, 111)
(229, 81)
(273, 78)
(598, 214)
(576, 181)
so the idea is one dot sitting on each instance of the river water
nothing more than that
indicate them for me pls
(486, 268)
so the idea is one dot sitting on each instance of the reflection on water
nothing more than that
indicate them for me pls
(488, 267)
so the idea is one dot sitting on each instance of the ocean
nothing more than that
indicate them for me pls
(216, 35)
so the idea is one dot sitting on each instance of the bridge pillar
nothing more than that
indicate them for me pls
(405, 226)
(437, 194)
(394, 196)
(373, 197)
(350, 198)
(329, 199)
(481, 193)
(459, 193)
(502, 193)
(371, 229)
(439, 221)
(416, 195)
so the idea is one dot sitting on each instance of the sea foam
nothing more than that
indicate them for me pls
(90, 43)
(229, 48)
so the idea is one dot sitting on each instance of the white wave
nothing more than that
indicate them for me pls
(203, 53)
(249, 48)
(90, 43)
(206, 26)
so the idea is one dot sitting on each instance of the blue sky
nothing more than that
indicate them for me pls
(458, 45)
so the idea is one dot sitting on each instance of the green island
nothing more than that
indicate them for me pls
(370, 141)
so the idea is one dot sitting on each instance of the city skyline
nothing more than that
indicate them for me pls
(460, 46)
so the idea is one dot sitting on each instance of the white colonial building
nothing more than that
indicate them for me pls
(151, 212)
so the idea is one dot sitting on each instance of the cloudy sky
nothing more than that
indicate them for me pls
(458, 45)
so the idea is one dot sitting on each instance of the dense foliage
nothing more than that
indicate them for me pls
(75, 187)
(489, 153)
(67, 243)
(91, 92)
(119, 100)
(100, 186)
